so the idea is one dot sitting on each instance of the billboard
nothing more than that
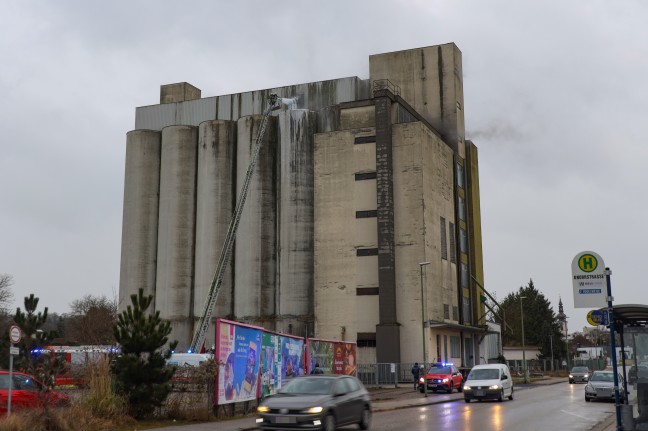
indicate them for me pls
(271, 363)
(321, 352)
(292, 355)
(238, 351)
(334, 357)
(344, 358)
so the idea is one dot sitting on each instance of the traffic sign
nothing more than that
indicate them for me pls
(589, 282)
(15, 351)
(15, 334)
(598, 317)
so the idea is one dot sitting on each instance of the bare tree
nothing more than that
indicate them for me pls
(91, 320)
(6, 294)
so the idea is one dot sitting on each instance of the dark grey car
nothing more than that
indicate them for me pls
(601, 386)
(321, 402)
(579, 374)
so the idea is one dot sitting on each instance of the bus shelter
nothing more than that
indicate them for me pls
(631, 326)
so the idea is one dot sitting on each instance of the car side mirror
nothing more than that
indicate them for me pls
(504, 377)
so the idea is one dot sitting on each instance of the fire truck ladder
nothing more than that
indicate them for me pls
(226, 253)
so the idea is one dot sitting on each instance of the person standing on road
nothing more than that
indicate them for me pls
(416, 372)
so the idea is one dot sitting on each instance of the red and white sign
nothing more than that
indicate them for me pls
(15, 334)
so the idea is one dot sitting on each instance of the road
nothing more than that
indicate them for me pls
(551, 407)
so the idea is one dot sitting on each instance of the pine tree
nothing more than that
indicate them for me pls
(141, 371)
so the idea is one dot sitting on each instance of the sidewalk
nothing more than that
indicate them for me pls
(383, 399)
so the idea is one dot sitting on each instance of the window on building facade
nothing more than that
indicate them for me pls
(463, 241)
(455, 312)
(444, 240)
(367, 252)
(361, 291)
(446, 311)
(460, 176)
(365, 176)
(366, 339)
(462, 208)
(467, 315)
(367, 214)
(453, 251)
(454, 347)
(364, 140)
(464, 275)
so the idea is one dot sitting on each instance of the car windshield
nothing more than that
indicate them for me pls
(435, 369)
(308, 386)
(484, 374)
(580, 370)
(602, 377)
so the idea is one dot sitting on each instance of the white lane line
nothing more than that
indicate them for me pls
(579, 416)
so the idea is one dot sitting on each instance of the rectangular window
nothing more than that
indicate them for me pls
(460, 176)
(467, 315)
(366, 343)
(362, 291)
(367, 214)
(446, 311)
(455, 312)
(367, 252)
(464, 275)
(444, 240)
(364, 140)
(453, 251)
(366, 339)
(463, 241)
(365, 176)
(462, 208)
(454, 347)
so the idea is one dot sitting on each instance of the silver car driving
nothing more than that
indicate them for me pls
(579, 374)
(601, 386)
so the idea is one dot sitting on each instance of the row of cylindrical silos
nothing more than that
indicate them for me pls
(181, 186)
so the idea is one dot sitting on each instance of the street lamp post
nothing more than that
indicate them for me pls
(524, 365)
(421, 265)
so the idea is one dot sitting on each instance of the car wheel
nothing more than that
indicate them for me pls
(329, 423)
(451, 388)
(571, 382)
(511, 396)
(467, 400)
(500, 398)
(365, 419)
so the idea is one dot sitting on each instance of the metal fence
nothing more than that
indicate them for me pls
(386, 374)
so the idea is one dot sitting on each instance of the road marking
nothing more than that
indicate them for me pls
(579, 416)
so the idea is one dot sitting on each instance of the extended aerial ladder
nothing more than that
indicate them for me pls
(226, 253)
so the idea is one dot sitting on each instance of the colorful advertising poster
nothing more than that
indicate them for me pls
(320, 352)
(270, 363)
(239, 352)
(344, 359)
(292, 352)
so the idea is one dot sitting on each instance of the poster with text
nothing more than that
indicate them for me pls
(270, 363)
(320, 352)
(344, 359)
(239, 352)
(292, 352)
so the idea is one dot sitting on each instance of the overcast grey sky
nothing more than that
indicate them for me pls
(555, 100)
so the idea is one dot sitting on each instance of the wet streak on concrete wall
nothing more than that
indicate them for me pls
(140, 217)
(214, 206)
(176, 230)
(297, 128)
(255, 246)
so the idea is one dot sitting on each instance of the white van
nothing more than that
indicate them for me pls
(189, 359)
(488, 381)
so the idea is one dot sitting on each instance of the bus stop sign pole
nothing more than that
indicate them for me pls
(615, 372)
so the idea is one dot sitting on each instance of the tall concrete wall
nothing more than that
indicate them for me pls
(140, 219)
(295, 228)
(214, 206)
(176, 230)
(255, 246)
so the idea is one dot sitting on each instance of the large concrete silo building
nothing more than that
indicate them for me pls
(364, 202)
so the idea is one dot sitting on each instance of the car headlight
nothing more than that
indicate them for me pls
(467, 388)
(422, 380)
(586, 375)
(571, 377)
(494, 387)
(446, 380)
(314, 410)
(263, 409)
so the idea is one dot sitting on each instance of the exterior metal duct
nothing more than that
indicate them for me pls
(297, 128)
(176, 230)
(140, 219)
(255, 246)
(214, 206)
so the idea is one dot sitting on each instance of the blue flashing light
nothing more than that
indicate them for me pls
(189, 351)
